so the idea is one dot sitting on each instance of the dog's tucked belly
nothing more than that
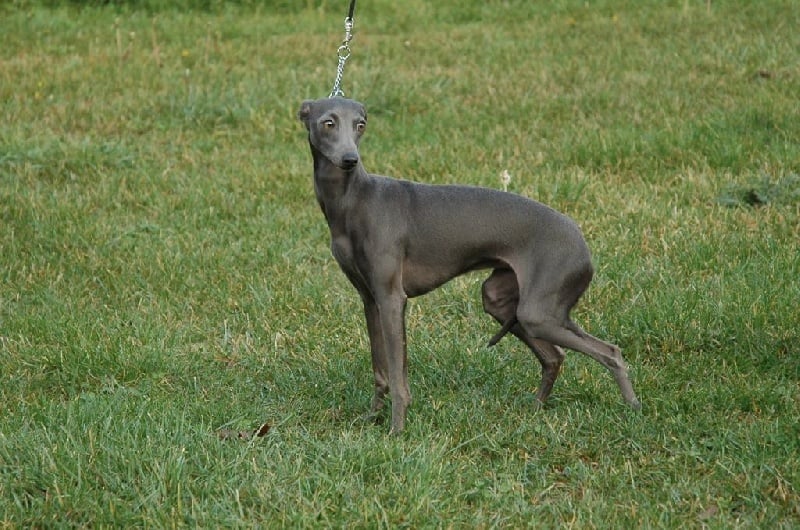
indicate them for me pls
(419, 275)
(420, 278)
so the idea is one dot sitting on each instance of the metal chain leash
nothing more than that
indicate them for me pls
(343, 53)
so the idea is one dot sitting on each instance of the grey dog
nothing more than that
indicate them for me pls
(396, 239)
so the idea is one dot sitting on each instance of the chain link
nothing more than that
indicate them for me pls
(342, 53)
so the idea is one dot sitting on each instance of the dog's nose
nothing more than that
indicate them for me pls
(349, 160)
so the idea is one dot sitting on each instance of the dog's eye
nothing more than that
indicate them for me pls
(329, 124)
(360, 126)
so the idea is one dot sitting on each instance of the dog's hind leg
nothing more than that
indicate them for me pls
(500, 299)
(570, 335)
(545, 315)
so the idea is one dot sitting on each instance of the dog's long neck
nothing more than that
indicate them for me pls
(331, 184)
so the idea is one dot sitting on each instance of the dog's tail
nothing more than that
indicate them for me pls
(502, 333)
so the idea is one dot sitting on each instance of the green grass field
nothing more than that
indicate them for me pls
(165, 271)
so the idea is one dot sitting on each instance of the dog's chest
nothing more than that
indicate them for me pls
(342, 250)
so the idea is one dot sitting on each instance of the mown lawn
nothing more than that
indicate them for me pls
(165, 273)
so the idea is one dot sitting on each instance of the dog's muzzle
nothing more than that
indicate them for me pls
(349, 161)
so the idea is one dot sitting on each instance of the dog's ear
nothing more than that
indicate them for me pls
(363, 110)
(305, 112)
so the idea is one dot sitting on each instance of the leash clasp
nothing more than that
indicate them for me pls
(342, 54)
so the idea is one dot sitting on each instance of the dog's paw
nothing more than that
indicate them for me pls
(373, 417)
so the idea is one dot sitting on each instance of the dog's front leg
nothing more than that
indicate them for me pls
(377, 346)
(392, 308)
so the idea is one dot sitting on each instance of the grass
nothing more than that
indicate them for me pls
(165, 272)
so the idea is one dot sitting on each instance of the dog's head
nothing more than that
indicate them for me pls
(335, 126)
